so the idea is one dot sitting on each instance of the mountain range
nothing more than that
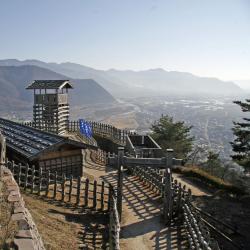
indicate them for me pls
(138, 83)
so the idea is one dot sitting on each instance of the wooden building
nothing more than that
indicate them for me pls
(42, 149)
(51, 107)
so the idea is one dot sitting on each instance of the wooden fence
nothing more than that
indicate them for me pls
(114, 222)
(104, 130)
(79, 191)
(199, 236)
(101, 129)
(101, 157)
(87, 140)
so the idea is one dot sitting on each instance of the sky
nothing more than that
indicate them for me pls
(206, 38)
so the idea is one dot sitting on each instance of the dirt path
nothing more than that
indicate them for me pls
(197, 190)
(142, 226)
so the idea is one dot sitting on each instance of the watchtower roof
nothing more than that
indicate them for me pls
(50, 84)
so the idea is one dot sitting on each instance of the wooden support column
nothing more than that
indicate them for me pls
(32, 179)
(2, 152)
(169, 158)
(120, 181)
(167, 207)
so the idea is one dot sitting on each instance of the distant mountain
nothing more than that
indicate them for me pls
(139, 83)
(72, 70)
(175, 82)
(14, 79)
(244, 84)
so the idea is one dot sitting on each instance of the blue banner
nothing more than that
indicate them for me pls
(85, 128)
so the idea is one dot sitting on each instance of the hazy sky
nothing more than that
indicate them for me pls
(204, 37)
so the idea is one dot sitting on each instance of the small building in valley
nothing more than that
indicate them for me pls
(42, 149)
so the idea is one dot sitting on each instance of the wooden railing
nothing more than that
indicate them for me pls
(79, 191)
(177, 204)
(101, 157)
(103, 130)
(100, 129)
(199, 236)
(114, 223)
(87, 140)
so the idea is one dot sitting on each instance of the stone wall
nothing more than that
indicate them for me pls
(27, 236)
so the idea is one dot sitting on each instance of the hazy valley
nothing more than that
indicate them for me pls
(111, 98)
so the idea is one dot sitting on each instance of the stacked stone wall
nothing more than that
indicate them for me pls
(27, 236)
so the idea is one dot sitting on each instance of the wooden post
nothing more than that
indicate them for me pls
(86, 196)
(78, 190)
(110, 197)
(40, 181)
(26, 176)
(2, 152)
(179, 199)
(167, 208)
(169, 158)
(63, 186)
(102, 196)
(19, 169)
(120, 181)
(48, 183)
(94, 194)
(70, 187)
(55, 185)
(32, 178)
(12, 168)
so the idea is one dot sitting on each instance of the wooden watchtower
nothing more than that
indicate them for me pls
(51, 107)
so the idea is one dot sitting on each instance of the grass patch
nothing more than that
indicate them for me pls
(209, 179)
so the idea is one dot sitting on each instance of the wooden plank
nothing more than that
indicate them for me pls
(86, 196)
(70, 187)
(55, 185)
(94, 194)
(32, 179)
(78, 190)
(63, 187)
(102, 196)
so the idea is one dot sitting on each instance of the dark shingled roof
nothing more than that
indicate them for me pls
(30, 142)
(50, 84)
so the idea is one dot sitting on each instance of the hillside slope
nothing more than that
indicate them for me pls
(14, 79)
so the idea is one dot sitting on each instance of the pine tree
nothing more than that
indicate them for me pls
(241, 144)
(174, 135)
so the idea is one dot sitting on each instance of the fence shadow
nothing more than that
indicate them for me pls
(146, 206)
(140, 198)
(89, 163)
(93, 232)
